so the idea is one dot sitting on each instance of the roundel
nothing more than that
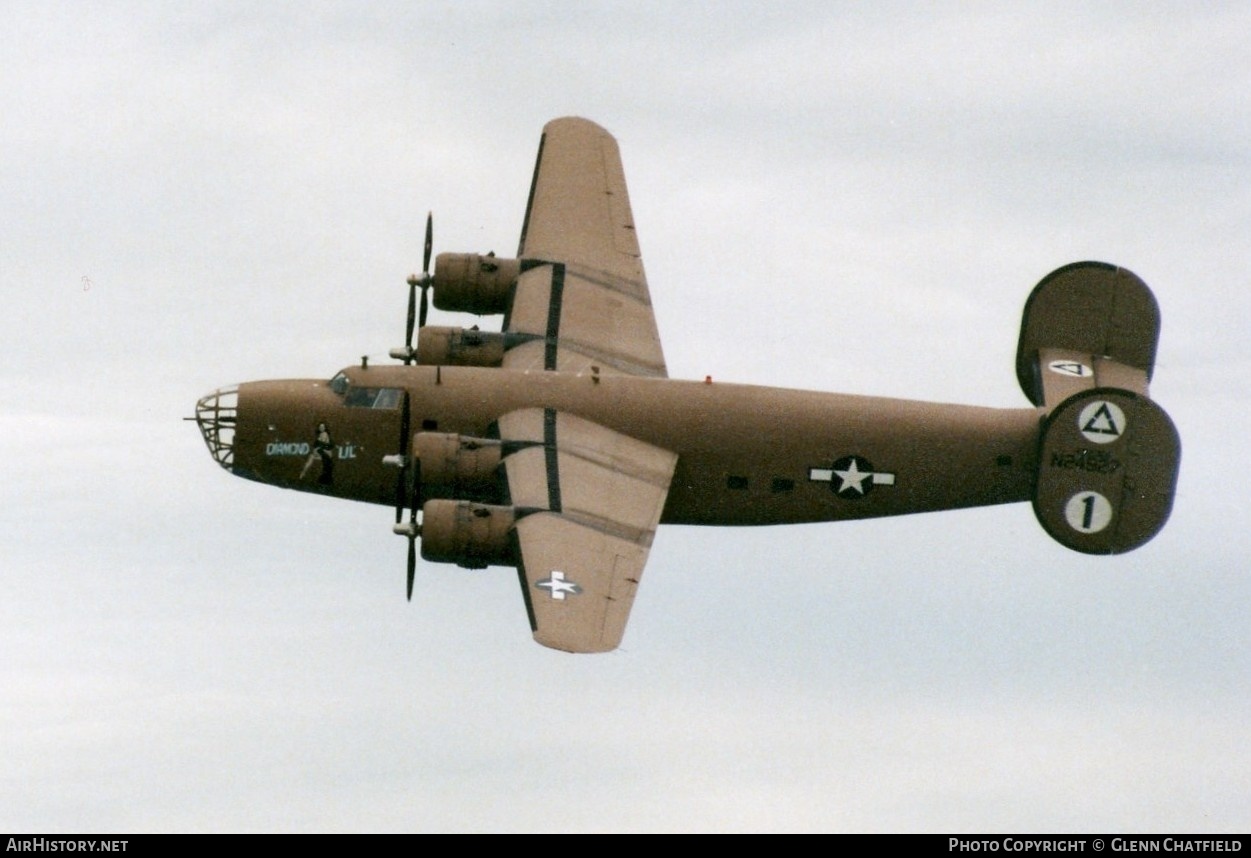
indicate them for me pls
(853, 477)
(1101, 422)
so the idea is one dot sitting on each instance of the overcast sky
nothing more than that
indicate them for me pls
(831, 196)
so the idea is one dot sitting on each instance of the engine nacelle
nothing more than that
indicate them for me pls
(470, 283)
(472, 535)
(438, 346)
(457, 466)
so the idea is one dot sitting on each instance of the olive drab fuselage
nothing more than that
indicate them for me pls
(746, 454)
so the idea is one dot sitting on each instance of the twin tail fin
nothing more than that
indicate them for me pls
(1108, 455)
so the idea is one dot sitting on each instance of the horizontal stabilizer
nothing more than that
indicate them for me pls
(1087, 325)
(1107, 471)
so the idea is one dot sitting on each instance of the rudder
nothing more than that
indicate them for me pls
(1088, 324)
(1107, 471)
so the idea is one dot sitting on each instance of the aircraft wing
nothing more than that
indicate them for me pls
(582, 295)
(589, 500)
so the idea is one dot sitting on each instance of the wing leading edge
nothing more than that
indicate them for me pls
(596, 497)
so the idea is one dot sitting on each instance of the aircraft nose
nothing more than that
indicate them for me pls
(216, 414)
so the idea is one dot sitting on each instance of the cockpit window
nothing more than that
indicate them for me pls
(388, 397)
(373, 397)
(339, 383)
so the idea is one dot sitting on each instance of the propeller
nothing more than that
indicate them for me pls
(411, 529)
(407, 494)
(414, 529)
(424, 281)
(401, 460)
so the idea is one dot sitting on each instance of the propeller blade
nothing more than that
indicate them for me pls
(413, 530)
(425, 258)
(412, 565)
(425, 288)
(412, 314)
(401, 480)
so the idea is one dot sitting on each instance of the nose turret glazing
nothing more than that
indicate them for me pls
(216, 415)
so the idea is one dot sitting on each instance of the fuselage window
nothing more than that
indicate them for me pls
(339, 383)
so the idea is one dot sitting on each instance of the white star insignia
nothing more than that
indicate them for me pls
(557, 586)
(853, 478)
